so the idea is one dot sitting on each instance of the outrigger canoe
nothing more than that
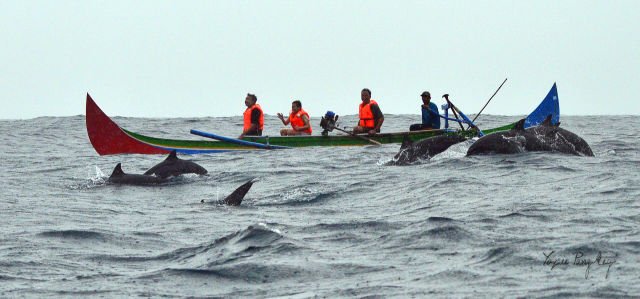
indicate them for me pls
(108, 138)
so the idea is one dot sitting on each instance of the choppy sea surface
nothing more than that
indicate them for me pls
(321, 221)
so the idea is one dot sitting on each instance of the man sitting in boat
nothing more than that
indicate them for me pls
(371, 117)
(253, 117)
(430, 115)
(299, 120)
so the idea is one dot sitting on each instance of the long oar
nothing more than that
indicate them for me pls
(485, 105)
(358, 136)
(236, 141)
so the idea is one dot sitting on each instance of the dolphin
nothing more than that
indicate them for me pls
(235, 198)
(424, 149)
(545, 137)
(551, 137)
(119, 177)
(508, 142)
(174, 166)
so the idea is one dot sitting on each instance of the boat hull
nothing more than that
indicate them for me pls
(108, 138)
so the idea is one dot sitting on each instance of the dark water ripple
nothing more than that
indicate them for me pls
(327, 222)
(73, 234)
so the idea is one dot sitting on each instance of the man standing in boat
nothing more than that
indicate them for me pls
(371, 117)
(430, 115)
(253, 117)
(299, 120)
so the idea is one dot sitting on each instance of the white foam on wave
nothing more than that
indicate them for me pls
(96, 177)
(455, 151)
(275, 230)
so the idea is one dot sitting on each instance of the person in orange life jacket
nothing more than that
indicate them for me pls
(299, 120)
(253, 117)
(371, 118)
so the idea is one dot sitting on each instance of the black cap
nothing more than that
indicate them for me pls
(425, 94)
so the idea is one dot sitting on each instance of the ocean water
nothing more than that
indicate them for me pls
(320, 221)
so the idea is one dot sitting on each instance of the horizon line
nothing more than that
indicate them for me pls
(266, 114)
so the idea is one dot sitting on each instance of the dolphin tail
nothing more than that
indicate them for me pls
(117, 170)
(236, 197)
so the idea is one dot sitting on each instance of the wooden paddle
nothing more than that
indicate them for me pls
(358, 136)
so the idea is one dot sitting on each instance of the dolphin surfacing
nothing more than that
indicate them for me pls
(236, 197)
(174, 166)
(424, 149)
(118, 176)
(546, 137)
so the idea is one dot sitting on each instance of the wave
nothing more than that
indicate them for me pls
(466, 181)
(81, 293)
(51, 169)
(558, 292)
(591, 249)
(30, 279)
(247, 272)
(448, 275)
(375, 225)
(439, 219)
(236, 246)
(488, 221)
(496, 255)
(559, 168)
(631, 246)
(521, 215)
(147, 234)
(300, 197)
(353, 228)
(370, 292)
(448, 233)
(103, 240)
(265, 271)
(74, 234)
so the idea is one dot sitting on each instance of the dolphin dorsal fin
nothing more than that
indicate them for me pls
(117, 170)
(406, 142)
(172, 156)
(519, 125)
(547, 121)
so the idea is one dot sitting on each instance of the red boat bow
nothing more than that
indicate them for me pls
(109, 139)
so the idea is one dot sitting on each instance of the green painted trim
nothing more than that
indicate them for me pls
(301, 141)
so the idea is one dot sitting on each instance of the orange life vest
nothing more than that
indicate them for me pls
(296, 120)
(366, 115)
(247, 117)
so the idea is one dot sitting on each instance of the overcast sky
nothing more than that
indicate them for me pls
(200, 58)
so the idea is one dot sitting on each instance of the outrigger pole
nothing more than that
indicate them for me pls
(464, 119)
(446, 97)
(457, 111)
(485, 105)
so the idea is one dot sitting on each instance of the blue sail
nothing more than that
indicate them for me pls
(550, 105)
